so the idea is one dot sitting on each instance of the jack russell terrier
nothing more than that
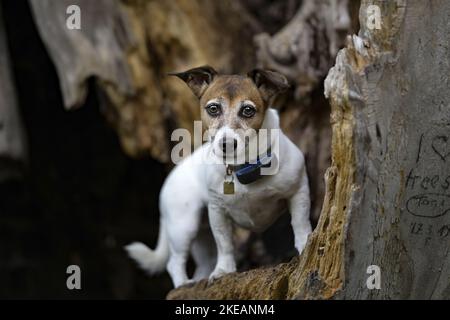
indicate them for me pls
(229, 190)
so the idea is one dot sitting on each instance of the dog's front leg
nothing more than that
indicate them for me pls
(222, 229)
(299, 206)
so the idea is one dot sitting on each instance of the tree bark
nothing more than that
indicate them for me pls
(13, 151)
(387, 202)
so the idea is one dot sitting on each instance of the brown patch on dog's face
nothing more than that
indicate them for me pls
(238, 102)
(233, 101)
(233, 107)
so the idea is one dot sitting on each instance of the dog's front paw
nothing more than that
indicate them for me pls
(219, 272)
(216, 274)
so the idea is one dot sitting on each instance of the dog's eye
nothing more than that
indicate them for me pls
(213, 109)
(247, 111)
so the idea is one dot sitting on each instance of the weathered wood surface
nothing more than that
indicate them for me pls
(387, 200)
(12, 136)
(396, 82)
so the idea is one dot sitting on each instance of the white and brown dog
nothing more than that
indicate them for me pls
(229, 191)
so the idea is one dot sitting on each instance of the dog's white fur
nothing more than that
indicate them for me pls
(193, 186)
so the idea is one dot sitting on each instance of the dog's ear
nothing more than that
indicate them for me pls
(198, 79)
(269, 83)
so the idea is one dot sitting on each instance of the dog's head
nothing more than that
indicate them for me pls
(233, 107)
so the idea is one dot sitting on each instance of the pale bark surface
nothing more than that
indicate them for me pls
(396, 84)
(386, 201)
(12, 136)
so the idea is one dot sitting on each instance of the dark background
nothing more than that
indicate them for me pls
(81, 198)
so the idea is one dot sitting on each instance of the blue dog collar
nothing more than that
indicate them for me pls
(250, 172)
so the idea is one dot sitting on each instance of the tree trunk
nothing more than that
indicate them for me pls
(387, 197)
(13, 151)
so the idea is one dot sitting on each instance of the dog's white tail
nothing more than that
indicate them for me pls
(152, 261)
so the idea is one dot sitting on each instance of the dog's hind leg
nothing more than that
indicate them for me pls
(204, 253)
(182, 230)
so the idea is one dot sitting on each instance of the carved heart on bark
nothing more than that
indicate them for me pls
(441, 146)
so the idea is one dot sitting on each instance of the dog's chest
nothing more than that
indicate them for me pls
(254, 206)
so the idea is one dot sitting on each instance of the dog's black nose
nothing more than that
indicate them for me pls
(228, 144)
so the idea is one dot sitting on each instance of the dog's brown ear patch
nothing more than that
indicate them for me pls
(198, 79)
(269, 83)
